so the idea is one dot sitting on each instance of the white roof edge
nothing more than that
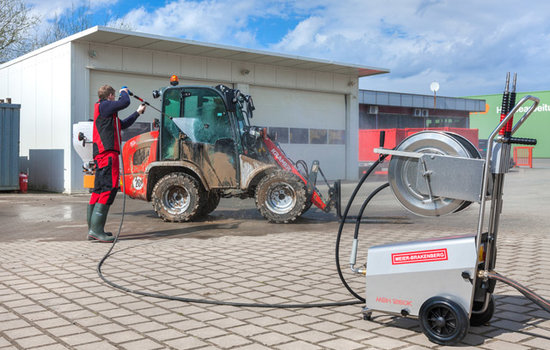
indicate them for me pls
(85, 33)
(236, 48)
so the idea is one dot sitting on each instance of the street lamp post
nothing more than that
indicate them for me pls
(434, 87)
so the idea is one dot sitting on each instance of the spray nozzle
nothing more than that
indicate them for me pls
(129, 92)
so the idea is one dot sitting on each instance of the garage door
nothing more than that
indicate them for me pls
(309, 125)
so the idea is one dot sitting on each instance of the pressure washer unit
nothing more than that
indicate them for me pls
(447, 283)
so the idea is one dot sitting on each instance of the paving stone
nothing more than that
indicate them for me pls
(96, 346)
(206, 332)
(35, 341)
(107, 328)
(313, 336)
(81, 338)
(165, 334)
(229, 341)
(143, 344)
(271, 338)
(186, 343)
(22, 332)
(501, 345)
(121, 337)
(341, 344)
(298, 345)
(13, 324)
(384, 343)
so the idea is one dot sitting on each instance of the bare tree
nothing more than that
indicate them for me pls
(15, 21)
(79, 18)
(21, 33)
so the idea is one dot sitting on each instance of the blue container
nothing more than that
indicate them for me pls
(9, 146)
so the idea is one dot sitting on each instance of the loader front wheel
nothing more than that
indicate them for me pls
(177, 197)
(281, 197)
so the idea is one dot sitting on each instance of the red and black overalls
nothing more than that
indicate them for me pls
(106, 147)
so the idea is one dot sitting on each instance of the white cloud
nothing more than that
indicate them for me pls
(47, 9)
(467, 45)
(213, 20)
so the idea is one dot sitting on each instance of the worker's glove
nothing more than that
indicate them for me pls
(141, 108)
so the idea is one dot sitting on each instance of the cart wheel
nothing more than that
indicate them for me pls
(443, 321)
(477, 319)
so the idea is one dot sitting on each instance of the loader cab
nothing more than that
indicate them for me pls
(197, 126)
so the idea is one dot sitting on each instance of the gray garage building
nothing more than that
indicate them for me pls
(311, 104)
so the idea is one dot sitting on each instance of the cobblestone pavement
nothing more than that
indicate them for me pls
(52, 298)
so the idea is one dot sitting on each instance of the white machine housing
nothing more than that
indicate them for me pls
(402, 276)
(84, 148)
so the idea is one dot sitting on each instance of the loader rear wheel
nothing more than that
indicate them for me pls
(177, 197)
(281, 197)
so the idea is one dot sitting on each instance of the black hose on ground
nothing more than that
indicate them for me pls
(529, 294)
(194, 300)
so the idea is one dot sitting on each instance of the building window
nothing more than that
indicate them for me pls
(279, 134)
(318, 136)
(299, 135)
(337, 137)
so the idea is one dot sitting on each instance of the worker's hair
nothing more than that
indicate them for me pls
(105, 91)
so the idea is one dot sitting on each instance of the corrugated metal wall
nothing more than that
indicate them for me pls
(9, 146)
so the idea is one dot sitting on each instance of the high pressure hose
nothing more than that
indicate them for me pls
(529, 294)
(194, 300)
(343, 221)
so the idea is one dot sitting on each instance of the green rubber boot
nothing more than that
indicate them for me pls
(97, 224)
(89, 212)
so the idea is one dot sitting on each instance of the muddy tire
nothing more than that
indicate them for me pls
(177, 197)
(211, 203)
(281, 197)
(308, 205)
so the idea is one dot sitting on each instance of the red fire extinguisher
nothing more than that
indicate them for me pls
(23, 182)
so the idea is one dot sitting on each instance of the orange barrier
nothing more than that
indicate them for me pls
(523, 156)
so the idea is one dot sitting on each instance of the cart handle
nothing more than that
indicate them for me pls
(522, 120)
(489, 154)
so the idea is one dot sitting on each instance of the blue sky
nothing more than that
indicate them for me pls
(467, 46)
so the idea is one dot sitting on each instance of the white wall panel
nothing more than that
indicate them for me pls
(193, 67)
(265, 75)
(41, 84)
(218, 69)
(106, 56)
(166, 64)
(134, 60)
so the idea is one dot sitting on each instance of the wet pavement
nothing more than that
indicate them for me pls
(51, 296)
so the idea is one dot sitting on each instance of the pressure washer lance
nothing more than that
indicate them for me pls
(143, 101)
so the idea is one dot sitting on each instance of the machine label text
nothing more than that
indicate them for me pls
(419, 256)
(394, 301)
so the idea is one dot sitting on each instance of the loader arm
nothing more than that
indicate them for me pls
(288, 165)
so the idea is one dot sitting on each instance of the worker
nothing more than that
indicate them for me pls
(106, 149)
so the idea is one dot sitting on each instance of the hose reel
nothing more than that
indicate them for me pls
(433, 173)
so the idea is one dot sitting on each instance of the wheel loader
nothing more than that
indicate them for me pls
(205, 149)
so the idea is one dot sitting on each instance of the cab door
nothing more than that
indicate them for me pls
(204, 134)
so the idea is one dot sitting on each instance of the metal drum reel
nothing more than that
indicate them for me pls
(409, 176)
